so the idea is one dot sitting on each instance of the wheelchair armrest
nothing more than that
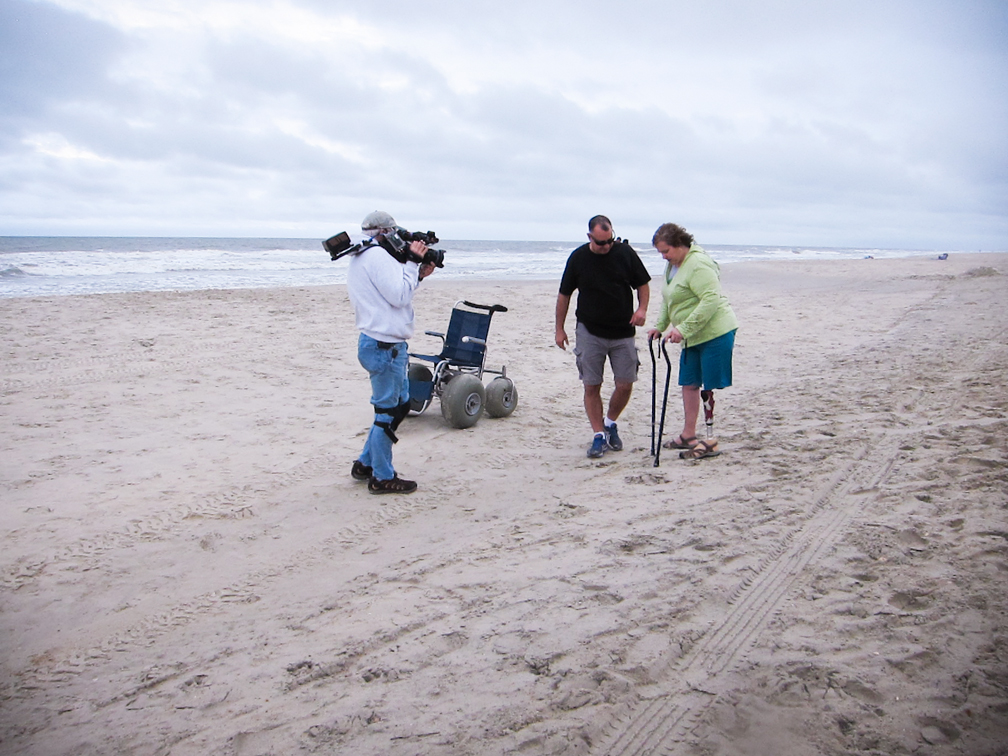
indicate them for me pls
(435, 333)
(473, 340)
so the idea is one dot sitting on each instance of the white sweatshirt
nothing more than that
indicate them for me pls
(381, 289)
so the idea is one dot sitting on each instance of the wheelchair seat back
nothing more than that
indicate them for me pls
(466, 323)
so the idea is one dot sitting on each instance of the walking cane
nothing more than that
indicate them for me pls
(661, 424)
(708, 411)
(654, 391)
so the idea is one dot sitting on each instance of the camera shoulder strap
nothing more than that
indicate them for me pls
(353, 251)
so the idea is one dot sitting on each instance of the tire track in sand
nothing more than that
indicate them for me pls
(668, 712)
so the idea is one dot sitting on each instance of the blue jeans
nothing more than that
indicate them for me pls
(389, 387)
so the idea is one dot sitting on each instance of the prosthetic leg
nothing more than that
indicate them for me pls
(707, 397)
(708, 447)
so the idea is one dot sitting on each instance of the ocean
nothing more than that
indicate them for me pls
(33, 266)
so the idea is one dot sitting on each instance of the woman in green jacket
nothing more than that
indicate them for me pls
(702, 321)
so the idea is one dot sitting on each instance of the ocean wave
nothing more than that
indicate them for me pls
(62, 266)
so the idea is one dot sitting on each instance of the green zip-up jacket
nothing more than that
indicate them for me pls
(692, 300)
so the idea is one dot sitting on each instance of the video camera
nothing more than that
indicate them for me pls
(396, 244)
(401, 240)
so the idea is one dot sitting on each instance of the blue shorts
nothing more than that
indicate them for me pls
(708, 364)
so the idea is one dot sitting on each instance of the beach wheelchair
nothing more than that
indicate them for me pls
(455, 375)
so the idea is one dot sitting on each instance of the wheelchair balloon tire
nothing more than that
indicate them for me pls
(501, 397)
(463, 401)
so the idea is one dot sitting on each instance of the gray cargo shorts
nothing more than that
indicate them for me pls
(591, 352)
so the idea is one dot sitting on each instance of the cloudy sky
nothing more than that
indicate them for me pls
(794, 122)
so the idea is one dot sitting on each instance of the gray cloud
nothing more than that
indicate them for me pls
(792, 123)
(49, 57)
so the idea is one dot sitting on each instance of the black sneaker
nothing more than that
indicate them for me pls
(613, 439)
(393, 485)
(360, 471)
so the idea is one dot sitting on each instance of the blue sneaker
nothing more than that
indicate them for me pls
(613, 439)
(599, 446)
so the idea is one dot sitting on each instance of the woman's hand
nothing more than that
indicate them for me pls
(653, 333)
(674, 336)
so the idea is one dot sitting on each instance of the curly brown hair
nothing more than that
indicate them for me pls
(673, 235)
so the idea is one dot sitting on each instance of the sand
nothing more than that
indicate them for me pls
(188, 568)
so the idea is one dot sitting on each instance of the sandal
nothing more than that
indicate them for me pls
(680, 443)
(701, 450)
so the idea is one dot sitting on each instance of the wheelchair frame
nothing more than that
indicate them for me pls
(462, 361)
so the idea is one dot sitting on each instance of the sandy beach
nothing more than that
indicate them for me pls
(188, 568)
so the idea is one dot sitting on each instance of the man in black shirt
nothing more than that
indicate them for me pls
(605, 272)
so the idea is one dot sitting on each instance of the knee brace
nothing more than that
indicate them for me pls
(398, 414)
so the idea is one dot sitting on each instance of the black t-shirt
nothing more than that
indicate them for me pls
(605, 285)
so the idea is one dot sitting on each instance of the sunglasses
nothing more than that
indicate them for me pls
(608, 242)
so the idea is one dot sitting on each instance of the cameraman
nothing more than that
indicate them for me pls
(381, 281)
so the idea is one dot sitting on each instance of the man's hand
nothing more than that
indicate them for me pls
(562, 305)
(418, 248)
(639, 317)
